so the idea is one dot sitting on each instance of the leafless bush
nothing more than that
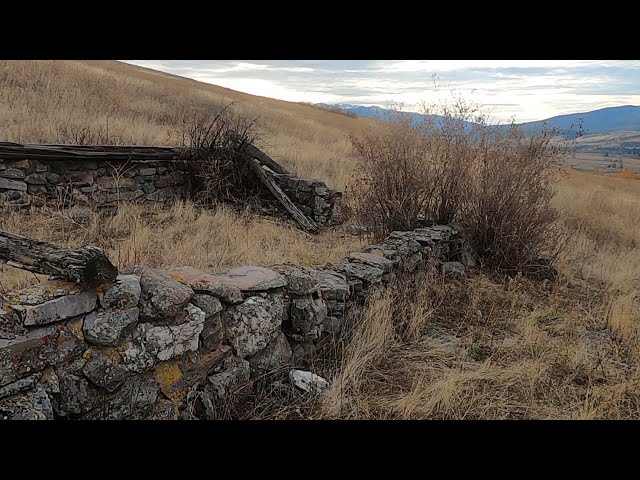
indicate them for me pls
(508, 216)
(216, 139)
(497, 182)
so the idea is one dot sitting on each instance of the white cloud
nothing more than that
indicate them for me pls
(524, 89)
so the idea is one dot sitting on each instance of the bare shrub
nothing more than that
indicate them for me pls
(496, 182)
(508, 216)
(392, 192)
(216, 139)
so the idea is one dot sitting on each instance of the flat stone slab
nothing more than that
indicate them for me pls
(372, 259)
(51, 302)
(253, 279)
(201, 282)
(161, 295)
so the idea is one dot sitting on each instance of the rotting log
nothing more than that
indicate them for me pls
(285, 201)
(88, 266)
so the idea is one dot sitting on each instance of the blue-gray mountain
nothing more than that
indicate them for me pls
(604, 120)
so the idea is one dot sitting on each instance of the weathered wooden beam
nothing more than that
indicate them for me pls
(253, 151)
(19, 151)
(285, 201)
(88, 266)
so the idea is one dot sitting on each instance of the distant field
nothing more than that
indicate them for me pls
(590, 162)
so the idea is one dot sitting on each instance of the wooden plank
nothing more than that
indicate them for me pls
(88, 266)
(16, 151)
(270, 183)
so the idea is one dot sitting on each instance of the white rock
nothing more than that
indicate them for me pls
(308, 381)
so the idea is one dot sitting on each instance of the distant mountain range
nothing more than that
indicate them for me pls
(596, 122)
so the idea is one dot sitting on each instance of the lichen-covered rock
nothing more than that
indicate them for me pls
(333, 285)
(206, 283)
(212, 333)
(276, 354)
(209, 304)
(123, 293)
(166, 342)
(307, 313)
(177, 376)
(372, 260)
(359, 271)
(233, 376)
(50, 302)
(104, 372)
(32, 405)
(77, 395)
(32, 352)
(107, 328)
(307, 381)
(300, 280)
(152, 344)
(252, 324)
(133, 401)
(19, 386)
(164, 410)
(161, 297)
(456, 268)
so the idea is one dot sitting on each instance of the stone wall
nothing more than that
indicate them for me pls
(100, 184)
(168, 344)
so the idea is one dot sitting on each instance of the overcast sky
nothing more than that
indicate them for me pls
(524, 89)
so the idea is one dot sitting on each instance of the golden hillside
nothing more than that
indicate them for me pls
(60, 101)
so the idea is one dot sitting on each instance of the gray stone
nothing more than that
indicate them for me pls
(134, 400)
(209, 304)
(467, 258)
(50, 381)
(7, 184)
(453, 267)
(40, 167)
(52, 178)
(36, 179)
(13, 173)
(159, 343)
(372, 260)
(79, 178)
(40, 347)
(276, 354)
(307, 381)
(300, 280)
(148, 188)
(253, 279)
(19, 386)
(77, 396)
(252, 324)
(147, 171)
(202, 282)
(166, 342)
(107, 327)
(333, 285)
(307, 313)
(51, 302)
(212, 333)
(37, 189)
(233, 376)
(332, 325)
(33, 405)
(123, 293)
(114, 183)
(367, 273)
(164, 410)
(161, 297)
(103, 372)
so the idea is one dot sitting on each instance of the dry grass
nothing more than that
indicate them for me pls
(481, 347)
(182, 235)
(507, 349)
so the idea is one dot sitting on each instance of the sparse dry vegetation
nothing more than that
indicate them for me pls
(484, 346)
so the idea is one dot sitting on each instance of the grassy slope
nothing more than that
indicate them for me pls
(568, 350)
